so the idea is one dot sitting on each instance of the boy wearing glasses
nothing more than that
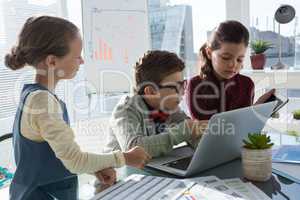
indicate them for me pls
(151, 118)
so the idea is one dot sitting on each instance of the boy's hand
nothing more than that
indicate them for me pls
(106, 176)
(136, 157)
(197, 127)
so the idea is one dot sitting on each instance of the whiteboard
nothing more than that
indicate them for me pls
(115, 35)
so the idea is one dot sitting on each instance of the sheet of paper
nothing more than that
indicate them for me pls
(145, 187)
(217, 184)
(259, 194)
(247, 189)
(160, 188)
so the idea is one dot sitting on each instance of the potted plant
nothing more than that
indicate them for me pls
(296, 114)
(257, 157)
(275, 115)
(258, 58)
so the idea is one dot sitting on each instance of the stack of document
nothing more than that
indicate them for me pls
(286, 162)
(287, 154)
(205, 188)
(235, 188)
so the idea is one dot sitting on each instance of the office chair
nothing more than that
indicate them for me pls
(5, 136)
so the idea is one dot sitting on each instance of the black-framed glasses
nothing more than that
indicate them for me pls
(178, 86)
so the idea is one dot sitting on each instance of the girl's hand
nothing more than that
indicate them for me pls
(265, 97)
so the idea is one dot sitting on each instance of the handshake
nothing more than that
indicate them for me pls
(136, 157)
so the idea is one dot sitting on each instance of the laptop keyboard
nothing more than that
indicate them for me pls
(181, 164)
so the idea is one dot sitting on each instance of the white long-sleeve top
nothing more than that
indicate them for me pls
(42, 120)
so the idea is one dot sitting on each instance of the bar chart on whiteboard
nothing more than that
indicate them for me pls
(115, 35)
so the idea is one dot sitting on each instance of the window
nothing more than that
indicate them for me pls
(12, 16)
(263, 26)
(178, 26)
(182, 26)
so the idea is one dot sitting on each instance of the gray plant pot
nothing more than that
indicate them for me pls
(257, 164)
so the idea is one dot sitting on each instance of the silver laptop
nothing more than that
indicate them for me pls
(221, 142)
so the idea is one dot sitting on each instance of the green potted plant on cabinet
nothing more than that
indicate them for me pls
(296, 114)
(258, 58)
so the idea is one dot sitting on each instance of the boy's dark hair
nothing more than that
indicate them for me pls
(40, 37)
(154, 66)
(229, 31)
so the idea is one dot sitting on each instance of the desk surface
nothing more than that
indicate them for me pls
(277, 187)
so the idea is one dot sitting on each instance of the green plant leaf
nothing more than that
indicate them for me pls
(257, 141)
(296, 114)
(260, 46)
